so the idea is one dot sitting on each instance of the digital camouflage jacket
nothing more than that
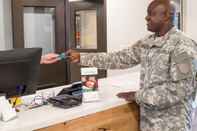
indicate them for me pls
(167, 79)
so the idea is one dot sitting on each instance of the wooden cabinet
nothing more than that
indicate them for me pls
(121, 118)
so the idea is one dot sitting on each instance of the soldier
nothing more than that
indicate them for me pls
(167, 83)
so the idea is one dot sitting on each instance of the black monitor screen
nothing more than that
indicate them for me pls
(19, 71)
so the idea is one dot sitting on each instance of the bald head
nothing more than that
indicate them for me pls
(170, 8)
(160, 16)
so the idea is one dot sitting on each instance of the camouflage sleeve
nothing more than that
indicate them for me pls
(125, 58)
(179, 87)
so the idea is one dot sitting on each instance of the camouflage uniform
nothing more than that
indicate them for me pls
(167, 89)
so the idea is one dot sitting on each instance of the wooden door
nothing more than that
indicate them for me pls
(42, 23)
(87, 30)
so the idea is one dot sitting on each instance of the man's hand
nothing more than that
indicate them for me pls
(128, 96)
(74, 56)
(49, 58)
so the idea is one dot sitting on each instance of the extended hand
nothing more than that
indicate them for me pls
(49, 58)
(74, 56)
(128, 96)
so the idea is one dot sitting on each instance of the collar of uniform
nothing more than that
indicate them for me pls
(160, 41)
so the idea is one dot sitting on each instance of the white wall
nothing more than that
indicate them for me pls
(125, 25)
(5, 25)
(191, 19)
(125, 22)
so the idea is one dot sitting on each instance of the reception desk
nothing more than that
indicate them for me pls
(110, 113)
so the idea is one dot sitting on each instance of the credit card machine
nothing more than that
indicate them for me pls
(68, 97)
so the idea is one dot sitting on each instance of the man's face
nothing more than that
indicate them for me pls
(156, 17)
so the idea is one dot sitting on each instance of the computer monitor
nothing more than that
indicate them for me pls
(19, 71)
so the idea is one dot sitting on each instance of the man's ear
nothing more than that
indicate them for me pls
(167, 18)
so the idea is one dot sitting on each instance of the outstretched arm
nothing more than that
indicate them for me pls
(125, 58)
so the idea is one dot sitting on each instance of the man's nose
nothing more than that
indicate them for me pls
(147, 18)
